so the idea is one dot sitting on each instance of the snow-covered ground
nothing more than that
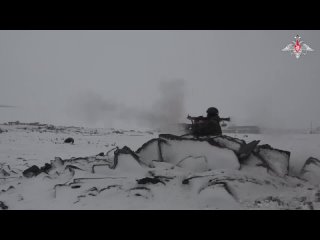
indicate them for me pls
(302, 146)
(39, 146)
(192, 175)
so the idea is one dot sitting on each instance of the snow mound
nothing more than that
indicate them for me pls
(217, 196)
(178, 150)
(311, 171)
(276, 160)
(229, 142)
(125, 160)
(208, 153)
(150, 151)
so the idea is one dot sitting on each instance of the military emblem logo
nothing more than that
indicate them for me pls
(297, 47)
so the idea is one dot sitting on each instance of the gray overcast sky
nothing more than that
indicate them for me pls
(243, 73)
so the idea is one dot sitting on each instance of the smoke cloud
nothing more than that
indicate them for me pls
(168, 109)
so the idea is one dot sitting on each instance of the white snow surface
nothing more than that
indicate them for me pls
(198, 154)
(311, 171)
(208, 177)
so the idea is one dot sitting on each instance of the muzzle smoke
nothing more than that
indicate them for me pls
(168, 109)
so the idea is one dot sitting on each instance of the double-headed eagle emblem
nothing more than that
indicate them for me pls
(297, 47)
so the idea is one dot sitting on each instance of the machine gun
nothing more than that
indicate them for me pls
(201, 118)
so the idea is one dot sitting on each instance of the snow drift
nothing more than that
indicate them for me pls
(168, 172)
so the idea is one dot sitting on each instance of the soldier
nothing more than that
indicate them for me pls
(210, 125)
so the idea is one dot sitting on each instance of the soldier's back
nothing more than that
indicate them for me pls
(209, 126)
(213, 126)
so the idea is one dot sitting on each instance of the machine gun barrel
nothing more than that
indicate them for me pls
(195, 118)
(225, 119)
(203, 118)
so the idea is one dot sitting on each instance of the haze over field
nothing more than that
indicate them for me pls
(113, 78)
(97, 114)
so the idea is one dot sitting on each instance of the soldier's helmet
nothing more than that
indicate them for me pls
(212, 111)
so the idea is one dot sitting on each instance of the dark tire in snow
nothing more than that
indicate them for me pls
(31, 171)
(69, 140)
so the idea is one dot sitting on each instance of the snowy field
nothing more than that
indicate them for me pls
(302, 146)
(192, 175)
